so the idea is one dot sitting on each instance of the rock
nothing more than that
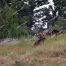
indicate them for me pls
(64, 52)
(8, 41)
(18, 62)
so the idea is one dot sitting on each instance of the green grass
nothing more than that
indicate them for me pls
(51, 53)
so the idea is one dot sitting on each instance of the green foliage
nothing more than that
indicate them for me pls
(10, 20)
(60, 23)
(14, 17)
(60, 3)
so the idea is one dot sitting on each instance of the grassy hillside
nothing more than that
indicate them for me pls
(51, 53)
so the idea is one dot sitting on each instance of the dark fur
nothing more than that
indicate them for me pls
(41, 38)
(56, 32)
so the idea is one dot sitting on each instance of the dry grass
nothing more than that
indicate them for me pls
(51, 53)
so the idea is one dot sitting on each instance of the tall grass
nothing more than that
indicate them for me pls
(51, 53)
